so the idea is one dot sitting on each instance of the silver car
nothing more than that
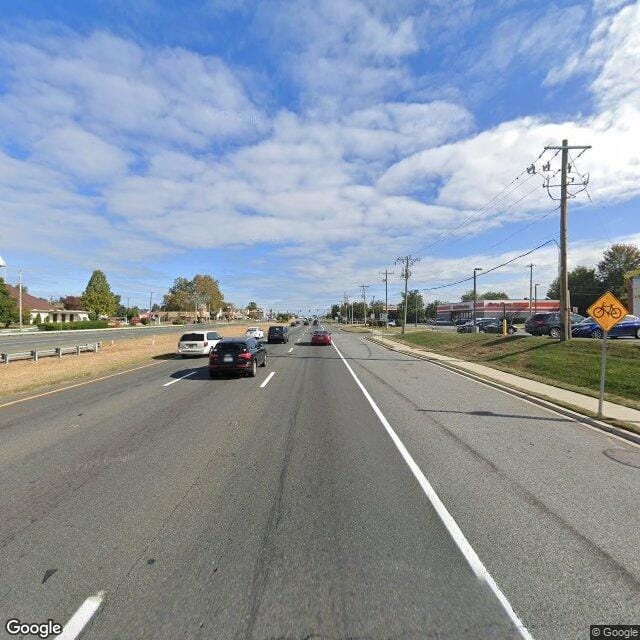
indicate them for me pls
(198, 343)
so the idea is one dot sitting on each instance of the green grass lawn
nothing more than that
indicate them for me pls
(574, 365)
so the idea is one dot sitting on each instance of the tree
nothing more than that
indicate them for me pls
(494, 295)
(186, 295)
(97, 297)
(415, 302)
(252, 306)
(584, 288)
(488, 295)
(8, 306)
(431, 310)
(617, 260)
(72, 303)
(209, 291)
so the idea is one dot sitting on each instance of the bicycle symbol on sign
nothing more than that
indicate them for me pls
(607, 309)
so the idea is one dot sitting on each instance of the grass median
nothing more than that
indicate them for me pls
(573, 365)
(115, 355)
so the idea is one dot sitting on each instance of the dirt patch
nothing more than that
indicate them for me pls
(113, 356)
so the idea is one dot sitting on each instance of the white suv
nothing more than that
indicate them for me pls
(198, 343)
(255, 332)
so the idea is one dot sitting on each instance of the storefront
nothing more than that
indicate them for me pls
(516, 310)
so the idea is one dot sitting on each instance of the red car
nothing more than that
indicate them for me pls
(321, 338)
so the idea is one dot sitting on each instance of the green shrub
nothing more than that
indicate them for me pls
(67, 326)
(177, 322)
(144, 321)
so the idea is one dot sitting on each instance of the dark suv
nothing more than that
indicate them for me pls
(278, 334)
(548, 324)
(240, 355)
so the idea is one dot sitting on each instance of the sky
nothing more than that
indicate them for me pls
(293, 149)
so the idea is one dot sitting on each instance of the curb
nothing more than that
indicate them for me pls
(537, 400)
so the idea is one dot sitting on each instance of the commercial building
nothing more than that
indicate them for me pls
(633, 291)
(516, 310)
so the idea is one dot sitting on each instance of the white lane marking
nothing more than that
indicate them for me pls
(82, 616)
(167, 384)
(268, 378)
(290, 350)
(451, 525)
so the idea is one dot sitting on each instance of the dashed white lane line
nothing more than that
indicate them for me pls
(268, 378)
(290, 350)
(451, 525)
(166, 384)
(82, 616)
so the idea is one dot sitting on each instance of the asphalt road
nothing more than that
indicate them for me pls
(313, 503)
(48, 339)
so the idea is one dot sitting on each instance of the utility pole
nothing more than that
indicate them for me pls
(530, 266)
(364, 288)
(475, 298)
(407, 262)
(565, 309)
(20, 298)
(387, 273)
(150, 301)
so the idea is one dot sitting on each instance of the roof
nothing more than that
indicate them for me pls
(29, 301)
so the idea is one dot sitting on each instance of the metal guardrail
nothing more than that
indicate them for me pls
(36, 354)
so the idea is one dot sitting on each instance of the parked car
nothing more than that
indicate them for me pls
(278, 333)
(197, 343)
(239, 355)
(496, 327)
(440, 322)
(467, 327)
(629, 326)
(548, 324)
(255, 332)
(320, 338)
(305, 322)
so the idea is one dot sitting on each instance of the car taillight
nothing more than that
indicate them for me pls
(213, 355)
(245, 356)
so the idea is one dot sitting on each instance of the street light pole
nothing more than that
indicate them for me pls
(475, 295)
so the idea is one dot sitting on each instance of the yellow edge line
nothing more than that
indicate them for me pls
(78, 384)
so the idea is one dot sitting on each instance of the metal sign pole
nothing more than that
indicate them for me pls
(603, 369)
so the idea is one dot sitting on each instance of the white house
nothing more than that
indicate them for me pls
(41, 310)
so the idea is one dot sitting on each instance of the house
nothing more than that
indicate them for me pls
(41, 310)
(633, 291)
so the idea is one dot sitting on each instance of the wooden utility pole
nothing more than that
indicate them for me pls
(387, 273)
(364, 288)
(407, 262)
(565, 308)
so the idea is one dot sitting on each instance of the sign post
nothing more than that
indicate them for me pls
(607, 311)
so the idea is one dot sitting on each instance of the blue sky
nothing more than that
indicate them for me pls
(294, 149)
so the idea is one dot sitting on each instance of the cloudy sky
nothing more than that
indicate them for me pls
(295, 148)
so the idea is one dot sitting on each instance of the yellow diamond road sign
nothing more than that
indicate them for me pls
(607, 311)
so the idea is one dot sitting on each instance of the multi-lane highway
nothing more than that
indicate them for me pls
(16, 343)
(345, 492)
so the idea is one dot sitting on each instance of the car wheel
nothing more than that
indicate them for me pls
(555, 332)
(213, 374)
(264, 362)
(638, 333)
(597, 334)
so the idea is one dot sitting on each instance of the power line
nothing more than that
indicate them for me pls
(486, 271)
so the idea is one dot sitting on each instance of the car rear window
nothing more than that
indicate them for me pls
(231, 347)
(212, 335)
(276, 329)
(539, 316)
(192, 337)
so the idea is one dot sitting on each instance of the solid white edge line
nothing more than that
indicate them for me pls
(496, 386)
(268, 378)
(447, 519)
(81, 617)
(166, 384)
